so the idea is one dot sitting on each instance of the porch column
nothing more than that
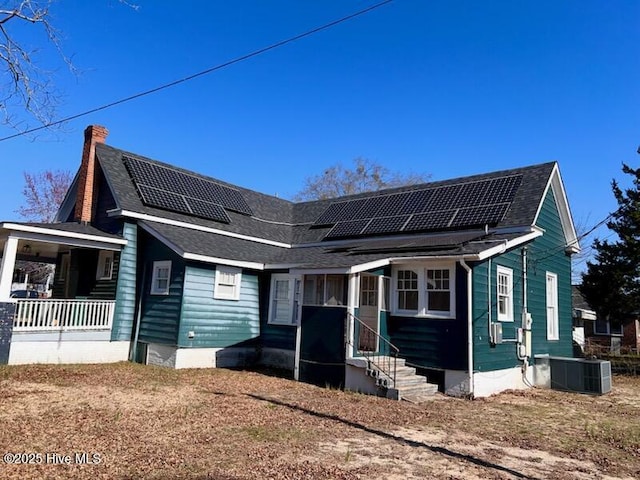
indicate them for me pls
(352, 303)
(6, 269)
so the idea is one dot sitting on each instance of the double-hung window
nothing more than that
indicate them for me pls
(105, 265)
(407, 290)
(284, 299)
(504, 286)
(552, 307)
(424, 291)
(227, 283)
(160, 277)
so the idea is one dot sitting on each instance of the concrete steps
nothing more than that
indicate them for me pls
(408, 386)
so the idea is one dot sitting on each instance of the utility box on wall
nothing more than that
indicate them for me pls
(496, 333)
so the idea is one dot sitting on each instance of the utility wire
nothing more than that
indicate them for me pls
(204, 72)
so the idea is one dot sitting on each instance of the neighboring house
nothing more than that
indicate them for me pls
(468, 278)
(600, 333)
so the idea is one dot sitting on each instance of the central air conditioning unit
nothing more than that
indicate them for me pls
(580, 375)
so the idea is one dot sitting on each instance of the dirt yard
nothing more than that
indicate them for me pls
(129, 421)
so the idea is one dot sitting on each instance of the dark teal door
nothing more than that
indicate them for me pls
(322, 346)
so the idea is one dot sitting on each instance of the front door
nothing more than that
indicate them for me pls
(369, 313)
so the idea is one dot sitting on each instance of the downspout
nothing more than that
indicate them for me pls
(464, 265)
(489, 309)
(138, 317)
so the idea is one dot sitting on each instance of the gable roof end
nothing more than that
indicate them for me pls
(557, 187)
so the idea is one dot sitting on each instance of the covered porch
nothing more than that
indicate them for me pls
(73, 319)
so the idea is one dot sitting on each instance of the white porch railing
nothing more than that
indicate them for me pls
(56, 315)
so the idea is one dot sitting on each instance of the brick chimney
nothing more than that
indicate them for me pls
(84, 201)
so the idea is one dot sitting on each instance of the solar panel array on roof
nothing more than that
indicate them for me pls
(171, 189)
(461, 205)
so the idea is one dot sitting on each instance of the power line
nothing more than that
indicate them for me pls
(204, 72)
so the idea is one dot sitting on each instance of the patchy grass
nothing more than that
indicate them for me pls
(148, 422)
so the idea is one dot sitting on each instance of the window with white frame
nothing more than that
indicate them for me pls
(369, 291)
(324, 289)
(227, 283)
(283, 302)
(552, 307)
(407, 290)
(384, 294)
(424, 291)
(105, 265)
(504, 287)
(161, 277)
(438, 290)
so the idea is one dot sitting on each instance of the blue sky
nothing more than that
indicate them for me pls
(448, 88)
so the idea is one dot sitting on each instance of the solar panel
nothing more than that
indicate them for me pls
(504, 189)
(393, 205)
(478, 216)
(444, 197)
(385, 225)
(208, 210)
(340, 211)
(182, 183)
(429, 221)
(347, 229)
(162, 199)
(371, 207)
(416, 202)
(460, 205)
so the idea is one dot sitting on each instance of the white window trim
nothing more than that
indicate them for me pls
(421, 270)
(421, 286)
(103, 257)
(154, 277)
(553, 318)
(294, 299)
(384, 295)
(236, 273)
(508, 316)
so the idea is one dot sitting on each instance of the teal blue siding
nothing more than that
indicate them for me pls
(545, 253)
(434, 343)
(273, 336)
(160, 314)
(486, 356)
(217, 323)
(126, 288)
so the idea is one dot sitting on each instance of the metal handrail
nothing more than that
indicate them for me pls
(384, 359)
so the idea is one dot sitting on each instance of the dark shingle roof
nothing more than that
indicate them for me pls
(281, 221)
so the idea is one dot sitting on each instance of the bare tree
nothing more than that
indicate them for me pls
(28, 38)
(27, 87)
(365, 176)
(44, 193)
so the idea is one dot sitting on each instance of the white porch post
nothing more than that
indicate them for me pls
(6, 269)
(352, 303)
